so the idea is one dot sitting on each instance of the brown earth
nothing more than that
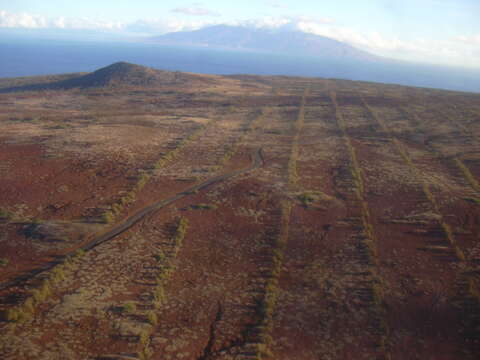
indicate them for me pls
(356, 237)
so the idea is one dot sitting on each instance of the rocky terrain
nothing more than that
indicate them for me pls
(147, 214)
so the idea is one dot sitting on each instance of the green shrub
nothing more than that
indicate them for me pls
(142, 181)
(306, 199)
(204, 207)
(160, 257)
(108, 217)
(5, 214)
(128, 307)
(36, 221)
(472, 200)
(58, 274)
(41, 294)
(29, 305)
(79, 253)
(263, 351)
(12, 314)
(152, 318)
(18, 314)
(144, 337)
(181, 231)
(4, 262)
(145, 354)
(116, 208)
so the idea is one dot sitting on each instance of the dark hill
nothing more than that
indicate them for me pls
(119, 74)
(116, 75)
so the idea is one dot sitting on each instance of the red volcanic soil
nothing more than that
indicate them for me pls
(353, 234)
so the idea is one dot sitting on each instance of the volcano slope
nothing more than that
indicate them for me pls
(147, 214)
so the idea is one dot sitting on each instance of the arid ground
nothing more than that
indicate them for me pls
(158, 215)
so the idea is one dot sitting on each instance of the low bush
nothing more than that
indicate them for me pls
(160, 257)
(152, 318)
(306, 199)
(128, 307)
(204, 207)
(472, 200)
(5, 215)
(79, 253)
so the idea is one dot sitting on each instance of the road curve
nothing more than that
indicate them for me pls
(132, 220)
(257, 161)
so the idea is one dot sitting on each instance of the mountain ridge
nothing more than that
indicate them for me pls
(284, 41)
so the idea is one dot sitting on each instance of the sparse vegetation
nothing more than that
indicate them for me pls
(109, 216)
(152, 318)
(345, 222)
(5, 215)
(253, 125)
(470, 287)
(159, 257)
(367, 240)
(307, 199)
(128, 307)
(26, 310)
(204, 206)
(297, 127)
(266, 303)
(79, 253)
(472, 200)
(157, 295)
(468, 175)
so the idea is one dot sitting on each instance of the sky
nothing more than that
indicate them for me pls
(433, 31)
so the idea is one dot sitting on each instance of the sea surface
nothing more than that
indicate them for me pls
(27, 57)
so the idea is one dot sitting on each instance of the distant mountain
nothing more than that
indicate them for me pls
(115, 75)
(275, 41)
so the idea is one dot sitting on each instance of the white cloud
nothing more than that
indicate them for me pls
(276, 4)
(265, 22)
(462, 50)
(469, 39)
(23, 20)
(141, 27)
(32, 21)
(86, 23)
(166, 25)
(286, 22)
(195, 9)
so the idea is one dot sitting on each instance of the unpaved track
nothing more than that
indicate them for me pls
(257, 161)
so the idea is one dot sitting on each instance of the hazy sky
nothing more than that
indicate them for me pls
(438, 31)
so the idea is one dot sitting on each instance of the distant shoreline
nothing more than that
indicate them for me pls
(27, 57)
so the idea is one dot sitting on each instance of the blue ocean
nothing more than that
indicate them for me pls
(27, 57)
